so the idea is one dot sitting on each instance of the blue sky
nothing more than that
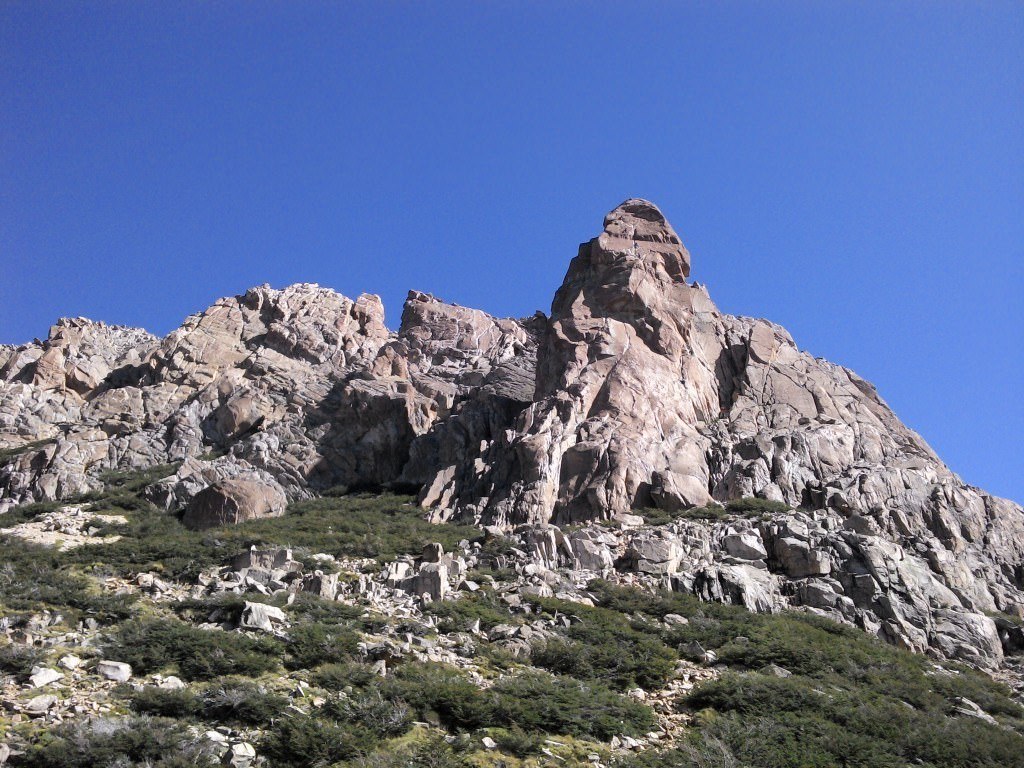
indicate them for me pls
(853, 171)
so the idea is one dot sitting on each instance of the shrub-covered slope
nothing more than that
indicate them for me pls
(518, 665)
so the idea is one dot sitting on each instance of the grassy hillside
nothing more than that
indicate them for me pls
(785, 691)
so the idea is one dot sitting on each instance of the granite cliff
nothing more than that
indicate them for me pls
(635, 394)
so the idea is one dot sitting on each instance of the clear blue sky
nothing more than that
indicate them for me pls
(853, 171)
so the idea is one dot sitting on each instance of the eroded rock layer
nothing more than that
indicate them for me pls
(635, 393)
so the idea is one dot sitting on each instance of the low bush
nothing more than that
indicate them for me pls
(153, 645)
(308, 741)
(602, 644)
(655, 516)
(18, 660)
(150, 700)
(310, 645)
(309, 607)
(123, 742)
(359, 525)
(34, 578)
(753, 505)
(544, 703)
(777, 723)
(8, 454)
(434, 751)
(851, 700)
(241, 702)
(517, 742)
(534, 702)
(134, 481)
(459, 615)
(435, 691)
(338, 677)
(385, 718)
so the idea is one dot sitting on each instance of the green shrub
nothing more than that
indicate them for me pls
(123, 742)
(712, 511)
(459, 615)
(360, 525)
(151, 700)
(307, 741)
(385, 718)
(26, 512)
(752, 505)
(436, 689)
(773, 722)
(603, 645)
(544, 703)
(534, 702)
(34, 578)
(153, 645)
(515, 741)
(434, 751)
(338, 677)
(852, 700)
(133, 481)
(8, 454)
(308, 607)
(310, 645)
(18, 660)
(241, 701)
(155, 541)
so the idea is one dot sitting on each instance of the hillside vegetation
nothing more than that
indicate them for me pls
(633, 679)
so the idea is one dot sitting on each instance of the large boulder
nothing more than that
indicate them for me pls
(233, 501)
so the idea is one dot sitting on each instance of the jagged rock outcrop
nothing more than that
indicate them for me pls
(636, 392)
(300, 390)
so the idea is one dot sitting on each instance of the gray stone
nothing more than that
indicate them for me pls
(117, 671)
(43, 676)
(233, 501)
(39, 705)
(239, 755)
(745, 546)
(263, 617)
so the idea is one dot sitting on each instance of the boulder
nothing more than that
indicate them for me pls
(39, 705)
(431, 579)
(239, 755)
(117, 671)
(263, 617)
(233, 501)
(42, 676)
(745, 546)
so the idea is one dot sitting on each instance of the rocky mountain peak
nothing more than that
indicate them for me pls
(636, 394)
(639, 220)
(626, 268)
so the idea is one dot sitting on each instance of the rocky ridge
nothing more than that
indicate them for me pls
(636, 393)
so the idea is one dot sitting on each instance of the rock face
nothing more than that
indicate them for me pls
(636, 392)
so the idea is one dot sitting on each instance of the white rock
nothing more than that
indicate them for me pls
(266, 618)
(44, 676)
(171, 683)
(39, 705)
(117, 671)
(240, 755)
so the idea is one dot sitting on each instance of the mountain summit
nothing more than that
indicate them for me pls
(636, 393)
